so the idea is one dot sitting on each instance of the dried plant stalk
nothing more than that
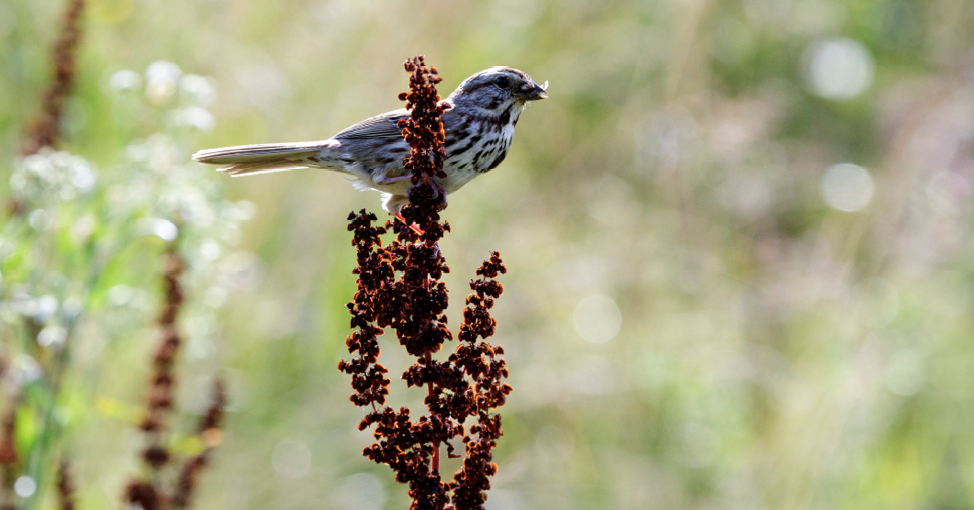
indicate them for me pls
(148, 492)
(65, 486)
(399, 287)
(45, 131)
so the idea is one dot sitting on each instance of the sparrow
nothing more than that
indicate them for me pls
(479, 118)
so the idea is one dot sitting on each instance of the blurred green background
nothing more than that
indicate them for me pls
(737, 233)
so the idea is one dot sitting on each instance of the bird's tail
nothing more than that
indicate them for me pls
(264, 158)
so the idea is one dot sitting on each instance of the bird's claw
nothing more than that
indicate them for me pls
(439, 191)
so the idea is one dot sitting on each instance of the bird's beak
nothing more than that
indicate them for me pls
(532, 91)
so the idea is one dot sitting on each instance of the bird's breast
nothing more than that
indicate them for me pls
(479, 152)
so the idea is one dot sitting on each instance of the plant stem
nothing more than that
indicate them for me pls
(436, 445)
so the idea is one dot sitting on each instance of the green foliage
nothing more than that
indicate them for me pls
(80, 254)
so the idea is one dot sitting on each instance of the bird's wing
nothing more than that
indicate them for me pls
(382, 126)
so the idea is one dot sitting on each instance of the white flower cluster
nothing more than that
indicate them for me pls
(187, 95)
(52, 176)
(66, 256)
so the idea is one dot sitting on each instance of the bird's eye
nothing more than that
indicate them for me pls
(502, 82)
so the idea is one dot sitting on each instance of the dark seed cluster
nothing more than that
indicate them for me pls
(147, 492)
(211, 434)
(162, 381)
(479, 360)
(9, 461)
(65, 487)
(8, 454)
(423, 130)
(399, 287)
(45, 131)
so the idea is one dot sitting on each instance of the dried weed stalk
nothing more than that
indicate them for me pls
(65, 486)
(45, 130)
(148, 491)
(399, 287)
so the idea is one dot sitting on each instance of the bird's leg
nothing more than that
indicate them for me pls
(440, 192)
(413, 226)
(391, 180)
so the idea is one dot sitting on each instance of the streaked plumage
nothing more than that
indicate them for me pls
(479, 127)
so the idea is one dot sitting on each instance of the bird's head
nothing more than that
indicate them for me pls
(497, 89)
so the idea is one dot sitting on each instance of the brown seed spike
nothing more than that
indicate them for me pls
(399, 287)
(46, 129)
(65, 486)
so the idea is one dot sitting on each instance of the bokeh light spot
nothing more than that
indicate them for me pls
(198, 89)
(25, 486)
(46, 308)
(597, 319)
(195, 117)
(125, 80)
(847, 187)
(52, 336)
(161, 79)
(163, 229)
(839, 68)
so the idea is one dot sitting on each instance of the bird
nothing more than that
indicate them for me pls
(479, 118)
